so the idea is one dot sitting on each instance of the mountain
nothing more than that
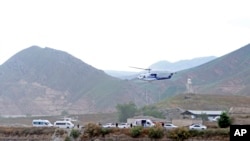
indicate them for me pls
(229, 75)
(122, 74)
(163, 66)
(45, 81)
(226, 75)
(180, 65)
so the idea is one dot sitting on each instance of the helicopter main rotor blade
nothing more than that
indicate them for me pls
(148, 69)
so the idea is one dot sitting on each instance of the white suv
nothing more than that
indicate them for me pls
(123, 125)
(108, 125)
(197, 127)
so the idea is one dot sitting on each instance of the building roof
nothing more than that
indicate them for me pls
(197, 112)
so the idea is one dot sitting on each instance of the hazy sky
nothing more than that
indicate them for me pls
(115, 34)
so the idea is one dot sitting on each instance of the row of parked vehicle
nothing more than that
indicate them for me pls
(47, 123)
(197, 126)
(112, 125)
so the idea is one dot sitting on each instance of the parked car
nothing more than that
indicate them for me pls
(170, 126)
(197, 127)
(108, 125)
(123, 125)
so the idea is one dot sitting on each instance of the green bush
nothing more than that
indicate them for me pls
(136, 131)
(92, 130)
(67, 139)
(179, 134)
(105, 131)
(75, 133)
(224, 120)
(156, 132)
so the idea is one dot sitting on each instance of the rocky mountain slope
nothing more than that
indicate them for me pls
(44, 81)
(229, 74)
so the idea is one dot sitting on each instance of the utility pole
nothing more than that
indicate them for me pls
(146, 93)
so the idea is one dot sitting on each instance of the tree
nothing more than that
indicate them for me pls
(224, 120)
(152, 111)
(126, 111)
(64, 113)
(204, 116)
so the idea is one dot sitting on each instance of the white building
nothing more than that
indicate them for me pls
(194, 114)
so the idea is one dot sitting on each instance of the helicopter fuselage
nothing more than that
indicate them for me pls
(152, 77)
(147, 76)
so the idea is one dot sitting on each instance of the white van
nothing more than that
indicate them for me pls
(41, 123)
(143, 122)
(64, 124)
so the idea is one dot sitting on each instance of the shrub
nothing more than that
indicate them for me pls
(156, 132)
(60, 132)
(145, 131)
(92, 130)
(179, 134)
(105, 131)
(218, 132)
(224, 120)
(126, 131)
(136, 131)
(75, 133)
(196, 133)
(67, 139)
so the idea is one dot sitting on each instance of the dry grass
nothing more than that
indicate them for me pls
(24, 131)
(82, 119)
(32, 133)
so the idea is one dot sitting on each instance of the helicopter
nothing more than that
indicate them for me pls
(151, 76)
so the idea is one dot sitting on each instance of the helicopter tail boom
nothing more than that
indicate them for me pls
(168, 77)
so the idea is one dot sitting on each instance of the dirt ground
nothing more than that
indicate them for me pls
(80, 119)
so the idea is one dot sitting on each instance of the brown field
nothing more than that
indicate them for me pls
(114, 134)
(81, 119)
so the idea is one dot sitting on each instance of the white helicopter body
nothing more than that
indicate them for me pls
(152, 76)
